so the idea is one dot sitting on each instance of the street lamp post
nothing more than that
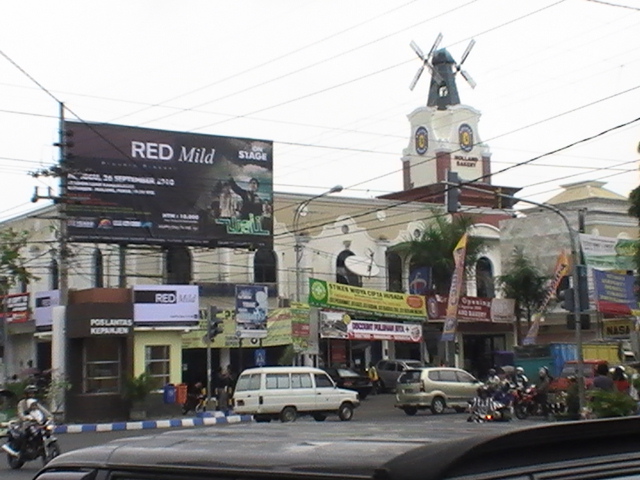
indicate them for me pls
(296, 231)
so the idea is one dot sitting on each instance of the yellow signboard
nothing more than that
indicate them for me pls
(617, 328)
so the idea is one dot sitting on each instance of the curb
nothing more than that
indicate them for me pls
(202, 419)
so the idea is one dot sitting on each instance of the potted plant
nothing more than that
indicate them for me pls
(136, 390)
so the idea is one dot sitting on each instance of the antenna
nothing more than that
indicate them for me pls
(425, 61)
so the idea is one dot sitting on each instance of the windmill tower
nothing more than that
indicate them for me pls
(444, 133)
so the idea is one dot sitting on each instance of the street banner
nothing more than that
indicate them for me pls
(363, 300)
(252, 306)
(165, 304)
(607, 253)
(561, 269)
(614, 293)
(146, 186)
(341, 325)
(473, 309)
(451, 320)
(15, 307)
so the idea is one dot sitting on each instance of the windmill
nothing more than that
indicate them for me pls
(443, 90)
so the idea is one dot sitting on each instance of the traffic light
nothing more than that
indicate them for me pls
(452, 194)
(585, 321)
(214, 326)
(567, 296)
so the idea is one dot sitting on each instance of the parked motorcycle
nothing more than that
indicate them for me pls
(35, 438)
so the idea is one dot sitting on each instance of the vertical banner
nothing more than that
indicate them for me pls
(451, 321)
(252, 306)
(560, 270)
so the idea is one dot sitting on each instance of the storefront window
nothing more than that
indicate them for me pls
(102, 365)
(156, 361)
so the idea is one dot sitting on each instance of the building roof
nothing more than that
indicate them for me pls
(588, 189)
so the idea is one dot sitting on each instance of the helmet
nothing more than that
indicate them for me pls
(492, 371)
(543, 372)
(31, 403)
(520, 370)
(30, 389)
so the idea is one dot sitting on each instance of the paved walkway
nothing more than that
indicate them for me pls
(205, 418)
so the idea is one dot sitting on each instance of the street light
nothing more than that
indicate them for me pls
(296, 231)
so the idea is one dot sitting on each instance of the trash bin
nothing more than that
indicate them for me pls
(181, 393)
(169, 393)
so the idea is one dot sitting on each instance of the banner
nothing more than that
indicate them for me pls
(252, 306)
(451, 320)
(560, 270)
(614, 293)
(341, 325)
(606, 253)
(44, 303)
(373, 302)
(165, 304)
(139, 185)
(473, 309)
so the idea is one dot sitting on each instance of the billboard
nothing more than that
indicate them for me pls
(138, 185)
(252, 306)
(168, 304)
(15, 307)
(44, 303)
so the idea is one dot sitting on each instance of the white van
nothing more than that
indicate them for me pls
(285, 392)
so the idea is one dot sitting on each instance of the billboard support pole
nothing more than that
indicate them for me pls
(122, 265)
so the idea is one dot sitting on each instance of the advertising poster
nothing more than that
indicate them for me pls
(252, 307)
(138, 185)
(340, 325)
(166, 304)
(44, 303)
(607, 253)
(614, 293)
(473, 309)
(374, 302)
(15, 307)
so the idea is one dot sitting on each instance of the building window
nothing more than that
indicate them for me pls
(157, 363)
(394, 272)
(484, 279)
(343, 274)
(54, 275)
(178, 269)
(98, 269)
(264, 266)
(102, 365)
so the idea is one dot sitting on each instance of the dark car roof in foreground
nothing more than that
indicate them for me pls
(286, 454)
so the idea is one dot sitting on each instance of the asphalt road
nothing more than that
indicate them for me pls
(376, 416)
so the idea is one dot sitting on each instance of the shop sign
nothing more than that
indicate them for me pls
(614, 293)
(473, 309)
(166, 304)
(99, 320)
(617, 328)
(373, 302)
(15, 307)
(110, 326)
(341, 325)
(607, 253)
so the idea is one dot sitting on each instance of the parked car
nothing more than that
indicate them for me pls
(390, 370)
(351, 380)
(270, 393)
(435, 388)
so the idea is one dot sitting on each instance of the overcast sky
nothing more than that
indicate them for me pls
(327, 81)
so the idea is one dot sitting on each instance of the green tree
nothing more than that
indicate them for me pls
(434, 248)
(634, 211)
(524, 283)
(13, 265)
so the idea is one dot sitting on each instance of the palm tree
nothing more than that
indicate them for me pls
(524, 283)
(434, 248)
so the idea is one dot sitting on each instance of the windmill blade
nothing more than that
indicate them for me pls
(416, 78)
(417, 49)
(468, 78)
(435, 45)
(435, 74)
(466, 52)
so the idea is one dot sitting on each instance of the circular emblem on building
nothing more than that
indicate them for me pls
(422, 140)
(465, 137)
(319, 291)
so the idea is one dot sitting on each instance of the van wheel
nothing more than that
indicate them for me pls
(411, 411)
(288, 414)
(319, 417)
(438, 406)
(345, 412)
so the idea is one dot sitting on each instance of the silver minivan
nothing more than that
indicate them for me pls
(390, 370)
(435, 388)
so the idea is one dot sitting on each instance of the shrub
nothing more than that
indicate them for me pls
(607, 404)
(137, 388)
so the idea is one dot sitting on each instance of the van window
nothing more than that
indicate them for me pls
(248, 382)
(323, 380)
(277, 380)
(448, 376)
(300, 380)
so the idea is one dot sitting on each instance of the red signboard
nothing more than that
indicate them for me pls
(16, 307)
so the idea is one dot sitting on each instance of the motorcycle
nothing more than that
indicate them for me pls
(197, 403)
(525, 404)
(36, 440)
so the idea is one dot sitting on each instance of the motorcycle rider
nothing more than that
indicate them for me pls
(481, 405)
(28, 409)
(520, 379)
(493, 380)
(542, 390)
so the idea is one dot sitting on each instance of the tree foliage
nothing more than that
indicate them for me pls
(634, 211)
(524, 283)
(13, 265)
(434, 248)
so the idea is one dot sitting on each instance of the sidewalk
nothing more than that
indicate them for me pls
(204, 418)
